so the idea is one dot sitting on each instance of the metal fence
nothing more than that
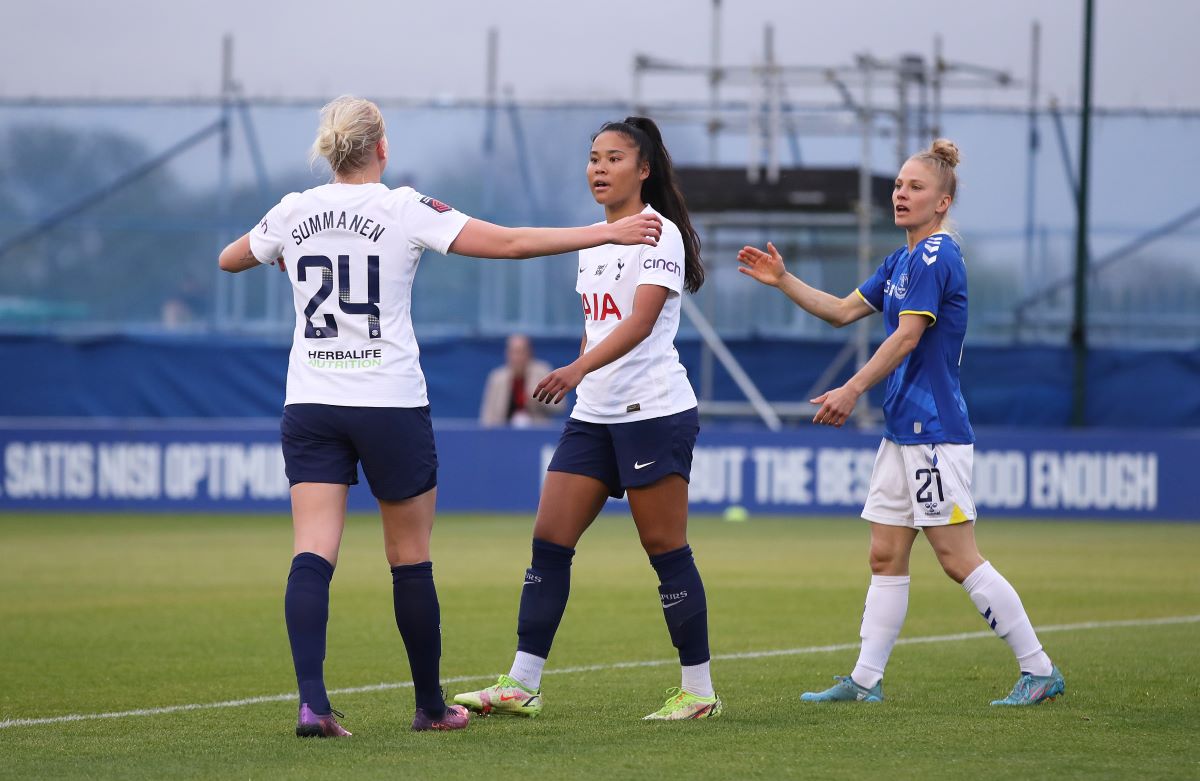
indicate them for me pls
(111, 217)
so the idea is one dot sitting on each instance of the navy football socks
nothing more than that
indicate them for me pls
(544, 597)
(306, 610)
(419, 619)
(683, 603)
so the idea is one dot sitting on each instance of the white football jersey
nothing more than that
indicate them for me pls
(351, 252)
(648, 381)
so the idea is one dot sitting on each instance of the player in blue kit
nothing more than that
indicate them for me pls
(632, 429)
(922, 474)
(355, 391)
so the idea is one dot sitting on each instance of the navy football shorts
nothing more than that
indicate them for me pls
(628, 455)
(323, 443)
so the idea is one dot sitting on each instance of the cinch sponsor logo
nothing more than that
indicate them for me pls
(346, 359)
(598, 308)
(666, 265)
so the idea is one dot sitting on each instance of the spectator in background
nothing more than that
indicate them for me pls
(508, 394)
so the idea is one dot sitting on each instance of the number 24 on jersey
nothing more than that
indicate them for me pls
(370, 307)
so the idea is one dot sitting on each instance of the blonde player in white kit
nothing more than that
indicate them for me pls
(633, 427)
(355, 391)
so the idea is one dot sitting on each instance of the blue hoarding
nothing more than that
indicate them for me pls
(237, 465)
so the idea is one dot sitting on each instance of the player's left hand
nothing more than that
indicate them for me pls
(836, 406)
(766, 267)
(641, 228)
(558, 383)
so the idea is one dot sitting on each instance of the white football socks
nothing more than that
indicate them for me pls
(883, 616)
(527, 670)
(697, 680)
(1001, 608)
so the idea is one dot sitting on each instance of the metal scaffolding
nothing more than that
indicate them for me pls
(913, 116)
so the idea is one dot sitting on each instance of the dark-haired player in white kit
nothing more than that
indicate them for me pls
(922, 475)
(355, 391)
(632, 429)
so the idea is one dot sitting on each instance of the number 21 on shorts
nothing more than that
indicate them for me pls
(929, 478)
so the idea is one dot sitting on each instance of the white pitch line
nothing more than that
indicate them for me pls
(813, 649)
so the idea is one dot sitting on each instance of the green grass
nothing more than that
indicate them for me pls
(108, 613)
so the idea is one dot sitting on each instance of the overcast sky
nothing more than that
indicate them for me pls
(1146, 53)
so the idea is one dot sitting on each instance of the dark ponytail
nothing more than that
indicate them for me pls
(662, 191)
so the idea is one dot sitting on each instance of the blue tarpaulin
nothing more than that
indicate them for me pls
(197, 377)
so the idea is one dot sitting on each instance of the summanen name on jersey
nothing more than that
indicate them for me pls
(352, 252)
(356, 223)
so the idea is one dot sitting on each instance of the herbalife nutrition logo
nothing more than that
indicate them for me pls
(346, 359)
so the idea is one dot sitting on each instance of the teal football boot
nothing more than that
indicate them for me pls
(1032, 689)
(846, 690)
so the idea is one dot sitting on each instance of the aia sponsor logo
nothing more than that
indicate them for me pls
(436, 205)
(597, 308)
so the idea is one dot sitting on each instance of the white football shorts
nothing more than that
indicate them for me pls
(921, 485)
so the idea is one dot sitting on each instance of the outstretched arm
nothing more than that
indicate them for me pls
(238, 257)
(647, 305)
(479, 239)
(767, 267)
(837, 404)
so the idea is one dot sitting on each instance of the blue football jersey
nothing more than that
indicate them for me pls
(923, 403)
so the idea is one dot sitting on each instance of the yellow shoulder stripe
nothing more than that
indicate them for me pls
(930, 315)
(864, 298)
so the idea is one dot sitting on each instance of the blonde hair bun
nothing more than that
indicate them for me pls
(945, 150)
(349, 130)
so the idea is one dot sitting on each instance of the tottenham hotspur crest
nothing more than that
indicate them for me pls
(620, 268)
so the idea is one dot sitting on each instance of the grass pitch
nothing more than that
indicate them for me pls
(104, 614)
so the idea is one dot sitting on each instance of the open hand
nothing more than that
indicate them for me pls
(637, 229)
(766, 267)
(836, 406)
(557, 384)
